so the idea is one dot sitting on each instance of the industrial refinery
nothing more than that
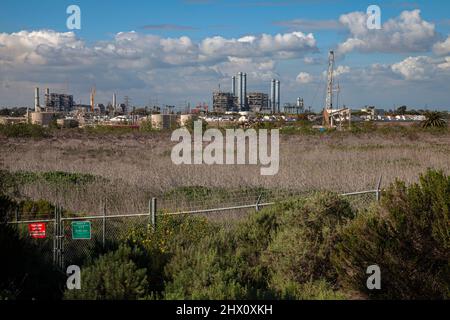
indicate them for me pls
(238, 105)
(240, 100)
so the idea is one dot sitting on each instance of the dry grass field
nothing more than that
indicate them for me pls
(132, 167)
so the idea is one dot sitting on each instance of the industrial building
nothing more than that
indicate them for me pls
(297, 108)
(59, 102)
(258, 102)
(54, 102)
(223, 102)
(238, 100)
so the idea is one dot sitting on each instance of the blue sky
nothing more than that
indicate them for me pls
(200, 20)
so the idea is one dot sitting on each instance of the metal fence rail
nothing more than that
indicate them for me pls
(107, 228)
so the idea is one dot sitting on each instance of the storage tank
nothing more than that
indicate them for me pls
(42, 118)
(163, 121)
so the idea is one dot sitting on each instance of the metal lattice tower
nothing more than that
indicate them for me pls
(329, 98)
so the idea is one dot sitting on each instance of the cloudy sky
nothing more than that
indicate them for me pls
(173, 52)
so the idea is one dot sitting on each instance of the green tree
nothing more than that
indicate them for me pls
(402, 110)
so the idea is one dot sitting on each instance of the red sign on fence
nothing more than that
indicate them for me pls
(37, 230)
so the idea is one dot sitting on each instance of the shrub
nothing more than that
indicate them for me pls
(225, 265)
(146, 126)
(24, 130)
(30, 209)
(407, 236)
(159, 245)
(205, 271)
(300, 251)
(434, 120)
(252, 261)
(113, 276)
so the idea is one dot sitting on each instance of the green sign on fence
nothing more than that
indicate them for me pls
(81, 230)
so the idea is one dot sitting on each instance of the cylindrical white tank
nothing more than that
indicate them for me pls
(42, 118)
(163, 121)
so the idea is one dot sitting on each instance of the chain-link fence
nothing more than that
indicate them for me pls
(64, 247)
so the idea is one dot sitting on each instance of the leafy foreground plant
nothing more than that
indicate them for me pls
(299, 253)
(113, 276)
(434, 120)
(247, 262)
(407, 236)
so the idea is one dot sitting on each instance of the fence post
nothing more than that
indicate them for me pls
(258, 201)
(379, 188)
(104, 223)
(62, 243)
(153, 209)
(60, 238)
(55, 236)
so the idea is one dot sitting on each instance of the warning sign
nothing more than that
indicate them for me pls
(37, 230)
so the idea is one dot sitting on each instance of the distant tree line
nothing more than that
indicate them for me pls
(13, 112)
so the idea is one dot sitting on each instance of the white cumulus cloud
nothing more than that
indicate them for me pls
(442, 48)
(135, 61)
(406, 33)
(304, 78)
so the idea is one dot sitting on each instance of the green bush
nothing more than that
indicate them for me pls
(225, 265)
(407, 236)
(146, 126)
(24, 130)
(300, 251)
(171, 234)
(205, 271)
(29, 209)
(113, 276)
(253, 261)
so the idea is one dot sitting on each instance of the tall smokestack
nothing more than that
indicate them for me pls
(244, 100)
(277, 97)
(272, 96)
(36, 100)
(240, 90)
(47, 97)
(233, 86)
(114, 101)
